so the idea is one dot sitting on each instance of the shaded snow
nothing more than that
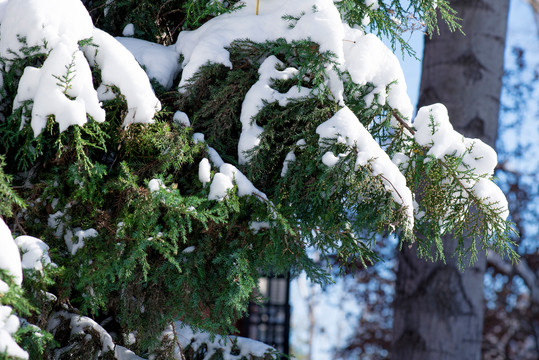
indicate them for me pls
(186, 336)
(160, 62)
(35, 253)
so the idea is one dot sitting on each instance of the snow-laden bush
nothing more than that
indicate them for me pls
(289, 129)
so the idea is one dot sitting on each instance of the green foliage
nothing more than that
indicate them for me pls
(171, 253)
(449, 207)
(392, 18)
(168, 17)
(8, 197)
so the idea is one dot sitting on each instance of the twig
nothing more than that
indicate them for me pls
(177, 341)
(402, 122)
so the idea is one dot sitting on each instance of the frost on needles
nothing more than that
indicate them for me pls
(157, 209)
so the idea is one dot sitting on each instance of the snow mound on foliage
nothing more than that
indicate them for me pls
(120, 68)
(319, 20)
(35, 253)
(9, 324)
(80, 325)
(10, 261)
(368, 60)
(434, 131)
(222, 344)
(365, 57)
(346, 128)
(39, 21)
(255, 98)
(63, 86)
(160, 62)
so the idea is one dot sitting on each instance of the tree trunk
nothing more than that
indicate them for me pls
(438, 309)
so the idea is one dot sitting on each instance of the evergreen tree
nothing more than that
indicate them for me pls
(158, 208)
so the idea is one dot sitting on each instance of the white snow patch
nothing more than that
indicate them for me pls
(53, 21)
(161, 62)
(188, 250)
(215, 157)
(80, 235)
(129, 30)
(123, 353)
(186, 336)
(80, 325)
(68, 100)
(35, 253)
(204, 171)
(369, 60)
(219, 187)
(198, 137)
(120, 68)
(181, 118)
(319, 20)
(156, 185)
(9, 324)
(290, 157)
(10, 259)
(254, 102)
(256, 226)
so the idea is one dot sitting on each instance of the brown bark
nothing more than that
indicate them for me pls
(439, 309)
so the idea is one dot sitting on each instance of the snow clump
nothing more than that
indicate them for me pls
(346, 128)
(63, 86)
(433, 130)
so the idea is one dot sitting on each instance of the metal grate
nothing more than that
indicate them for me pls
(270, 321)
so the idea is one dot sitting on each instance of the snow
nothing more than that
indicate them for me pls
(155, 185)
(219, 187)
(181, 118)
(373, 4)
(35, 253)
(11, 262)
(80, 234)
(365, 57)
(123, 353)
(9, 324)
(10, 259)
(54, 221)
(434, 130)
(81, 325)
(186, 336)
(53, 21)
(492, 195)
(319, 20)
(245, 186)
(3, 4)
(198, 137)
(61, 24)
(204, 174)
(129, 30)
(120, 68)
(188, 250)
(63, 86)
(254, 102)
(160, 62)
(256, 226)
(215, 157)
(346, 128)
(290, 157)
(368, 60)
